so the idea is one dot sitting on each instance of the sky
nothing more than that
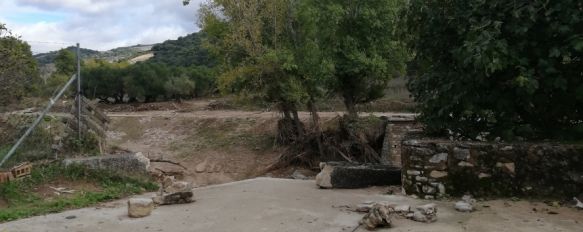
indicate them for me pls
(50, 25)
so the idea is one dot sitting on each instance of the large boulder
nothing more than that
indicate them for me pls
(348, 175)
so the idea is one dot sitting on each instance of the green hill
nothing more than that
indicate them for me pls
(184, 51)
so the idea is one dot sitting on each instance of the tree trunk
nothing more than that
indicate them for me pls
(297, 122)
(316, 124)
(350, 106)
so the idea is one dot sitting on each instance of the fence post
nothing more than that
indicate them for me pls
(78, 92)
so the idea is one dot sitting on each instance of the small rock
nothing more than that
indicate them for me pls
(463, 206)
(178, 186)
(363, 208)
(428, 209)
(174, 198)
(578, 204)
(421, 178)
(200, 167)
(140, 207)
(71, 217)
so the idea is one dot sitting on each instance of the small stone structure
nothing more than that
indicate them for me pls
(348, 175)
(135, 163)
(435, 168)
(396, 130)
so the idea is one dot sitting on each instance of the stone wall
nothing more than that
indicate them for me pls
(435, 168)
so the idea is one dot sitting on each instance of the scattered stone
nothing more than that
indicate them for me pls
(424, 213)
(463, 206)
(201, 167)
(348, 175)
(174, 198)
(466, 204)
(71, 217)
(178, 186)
(552, 212)
(140, 207)
(364, 207)
(379, 216)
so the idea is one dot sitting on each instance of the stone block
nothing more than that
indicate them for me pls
(140, 207)
(347, 175)
(128, 163)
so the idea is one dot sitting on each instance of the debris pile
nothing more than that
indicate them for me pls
(174, 192)
(380, 214)
(171, 192)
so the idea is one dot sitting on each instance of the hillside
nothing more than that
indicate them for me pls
(184, 51)
(49, 57)
(116, 54)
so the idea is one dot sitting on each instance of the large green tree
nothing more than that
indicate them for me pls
(18, 69)
(498, 68)
(361, 39)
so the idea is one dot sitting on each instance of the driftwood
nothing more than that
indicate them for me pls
(167, 161)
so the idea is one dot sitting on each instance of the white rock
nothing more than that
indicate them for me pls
(463, 206)
(427, 209)
(578, 205)
(140, 207)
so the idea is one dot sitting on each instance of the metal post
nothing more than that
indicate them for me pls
(78, 92)
(52, 101)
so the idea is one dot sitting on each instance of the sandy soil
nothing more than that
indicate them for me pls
(213, 146)
(268, 204)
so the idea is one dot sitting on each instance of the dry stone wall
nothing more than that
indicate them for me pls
(436, 168)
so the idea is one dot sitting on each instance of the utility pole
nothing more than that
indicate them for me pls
(78, 92)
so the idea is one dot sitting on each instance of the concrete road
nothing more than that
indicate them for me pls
(281, 205)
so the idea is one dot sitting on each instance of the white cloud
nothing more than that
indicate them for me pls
(100, 24)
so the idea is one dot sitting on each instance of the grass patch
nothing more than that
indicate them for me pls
(23, 201)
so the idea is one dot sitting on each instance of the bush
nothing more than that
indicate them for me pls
(508, 68)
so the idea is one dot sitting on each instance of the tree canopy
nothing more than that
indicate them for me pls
(498, 68)
(18, 69)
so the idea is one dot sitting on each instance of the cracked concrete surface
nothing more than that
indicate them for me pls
(266, 204)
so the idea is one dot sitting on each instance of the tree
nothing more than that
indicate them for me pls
(361, 39)
(498, 68)
(18, 68)
(253, 39)
(65, 62)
